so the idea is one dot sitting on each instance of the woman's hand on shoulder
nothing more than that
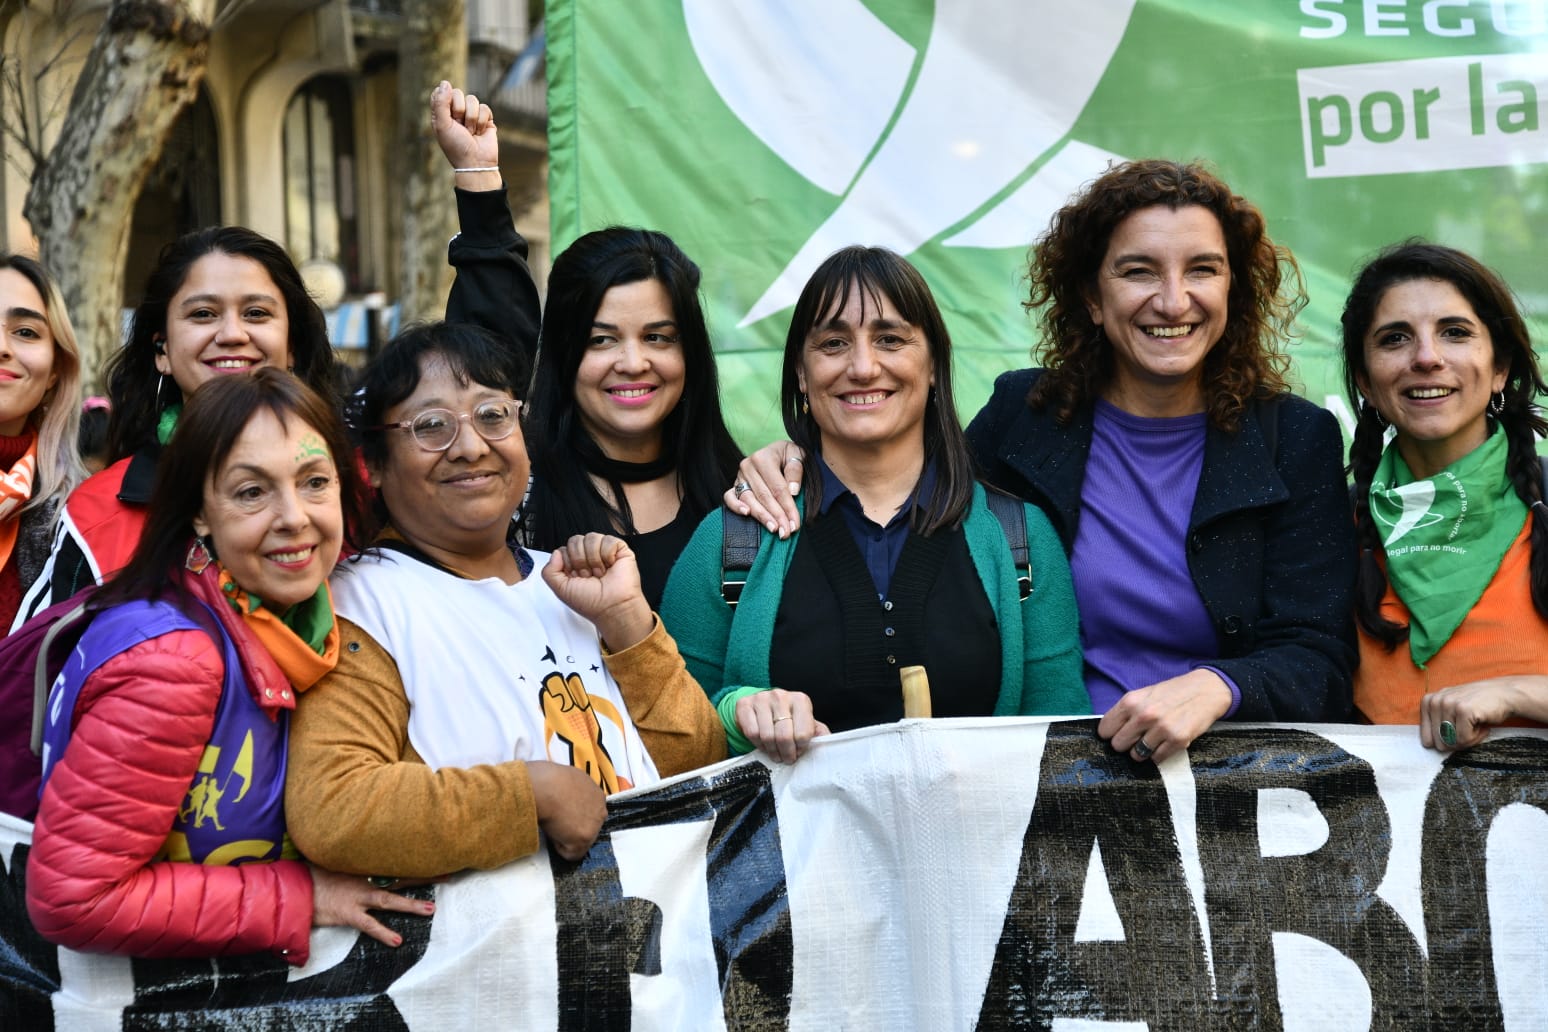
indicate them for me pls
(347, 899)
(597, 576)
(1166, 716)
(570, 806)
(780, 723)
(767, 482)
(1473, 708)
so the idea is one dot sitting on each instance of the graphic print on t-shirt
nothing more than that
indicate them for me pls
(582, 723)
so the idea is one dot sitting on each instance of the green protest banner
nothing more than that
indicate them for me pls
(764, 134)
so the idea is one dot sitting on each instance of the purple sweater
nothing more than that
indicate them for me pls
(1141, 618)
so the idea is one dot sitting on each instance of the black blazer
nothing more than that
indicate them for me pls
(1271, 541)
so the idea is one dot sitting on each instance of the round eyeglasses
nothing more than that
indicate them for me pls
(435, 429)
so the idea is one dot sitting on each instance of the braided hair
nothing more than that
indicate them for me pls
(1519, 418)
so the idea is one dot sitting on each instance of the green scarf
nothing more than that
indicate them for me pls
(1444, 537)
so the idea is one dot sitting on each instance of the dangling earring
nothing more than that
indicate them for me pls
(199, 556)
(805, 408)
(160, 382)
(1366, 406)
(1497, 404)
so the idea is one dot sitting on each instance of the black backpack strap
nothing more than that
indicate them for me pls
(1013, 523)
(740, 537)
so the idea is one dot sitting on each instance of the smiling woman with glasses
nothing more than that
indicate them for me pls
(485, 693)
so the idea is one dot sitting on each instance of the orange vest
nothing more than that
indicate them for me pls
(1503, 634)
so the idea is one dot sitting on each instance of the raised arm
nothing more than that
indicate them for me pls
(494, 287)
(595, 574)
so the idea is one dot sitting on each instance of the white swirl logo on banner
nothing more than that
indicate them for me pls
(916, 144)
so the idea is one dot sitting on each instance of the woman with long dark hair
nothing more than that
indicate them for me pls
(900, 561)
(625, 426)
(1452, 596)
(219, 301)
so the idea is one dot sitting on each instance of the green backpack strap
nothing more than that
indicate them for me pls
(739, 540)
(1013, 523)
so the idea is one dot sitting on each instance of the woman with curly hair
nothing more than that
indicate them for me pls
(1202, 505)
(1452, 595)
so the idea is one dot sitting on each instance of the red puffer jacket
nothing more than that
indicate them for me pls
(141, 724)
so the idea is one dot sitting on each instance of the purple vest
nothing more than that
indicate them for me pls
(234, 811)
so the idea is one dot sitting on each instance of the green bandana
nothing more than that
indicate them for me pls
(309, 620)
(1444, 537)
(168, 422)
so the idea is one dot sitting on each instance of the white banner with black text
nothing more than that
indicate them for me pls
(950, 874)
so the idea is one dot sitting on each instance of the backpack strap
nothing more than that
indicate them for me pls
(42, 680)
(739, 540)
(1013, 523)
(70, 627)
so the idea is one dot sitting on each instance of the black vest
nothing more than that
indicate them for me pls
(835, 641)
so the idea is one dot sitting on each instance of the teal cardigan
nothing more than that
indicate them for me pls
(727, 650)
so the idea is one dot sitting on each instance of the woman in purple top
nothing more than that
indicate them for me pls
(1203, 506)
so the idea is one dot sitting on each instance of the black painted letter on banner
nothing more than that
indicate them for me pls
(1089, 795)
(604, 937)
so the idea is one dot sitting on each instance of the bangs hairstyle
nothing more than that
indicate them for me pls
(471, 353)
(876, 274)
(139, 393)
(1265, 296)
(1520, 419)
(57, 418)
(211, 422)
(566, 500)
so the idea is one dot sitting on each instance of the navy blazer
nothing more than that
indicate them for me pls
(1271, 538)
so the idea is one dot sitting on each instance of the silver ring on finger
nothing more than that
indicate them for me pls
(1448, 734)
(785, 717)
(740, 488)
(1143, 750)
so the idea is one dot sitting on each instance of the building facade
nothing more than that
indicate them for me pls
(292, 134)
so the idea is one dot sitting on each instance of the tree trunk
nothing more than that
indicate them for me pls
(434, 47)
(143, 70)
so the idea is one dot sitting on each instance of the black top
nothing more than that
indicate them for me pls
(657, 550)
(836, 641)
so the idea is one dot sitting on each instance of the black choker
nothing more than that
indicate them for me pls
(617, 471)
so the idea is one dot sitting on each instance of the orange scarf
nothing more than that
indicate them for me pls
(15, 490)
(302, 665)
